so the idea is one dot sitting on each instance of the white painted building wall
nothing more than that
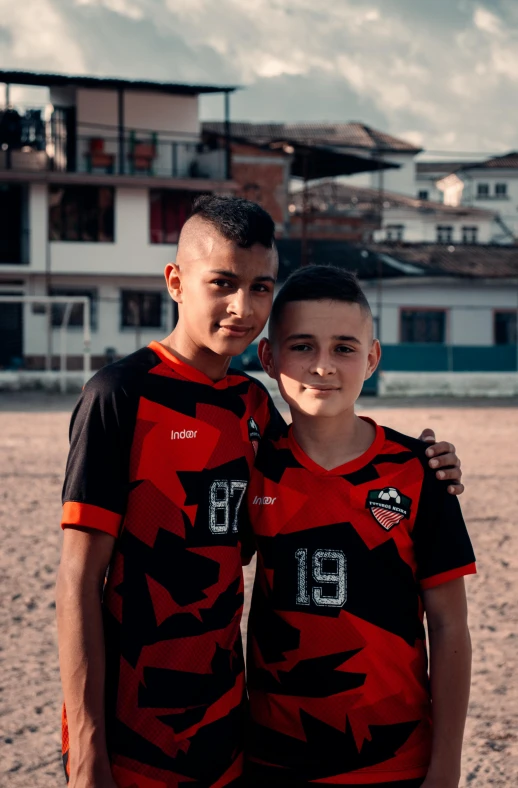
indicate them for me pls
(507, 208)
(402, 180)
(420, 226)
(107, 331)
(428, 184)
(131, 253)
(470, 306)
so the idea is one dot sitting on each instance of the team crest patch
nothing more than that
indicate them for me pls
(388, 506)
(253, 434)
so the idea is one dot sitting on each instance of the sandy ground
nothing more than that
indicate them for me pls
(33, 445)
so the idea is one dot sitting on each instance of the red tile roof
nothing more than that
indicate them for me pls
(508, 161)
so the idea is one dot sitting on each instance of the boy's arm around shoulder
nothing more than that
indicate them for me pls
(84, 560)
(450, 675)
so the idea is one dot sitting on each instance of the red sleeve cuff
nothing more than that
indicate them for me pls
(89, 516)
(445, 577)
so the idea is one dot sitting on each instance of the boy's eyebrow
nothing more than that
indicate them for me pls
(232, 275)
(337, 337)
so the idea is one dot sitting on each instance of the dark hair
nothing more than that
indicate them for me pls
(241, 221)
(317, 283)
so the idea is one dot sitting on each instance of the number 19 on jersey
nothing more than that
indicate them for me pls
(328, 567)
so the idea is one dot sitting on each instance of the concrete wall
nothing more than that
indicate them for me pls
(38, 226)
(448, 384)
(153, 111)
(401, 180)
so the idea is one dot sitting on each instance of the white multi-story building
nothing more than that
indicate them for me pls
(340, 210)
(491, 185)
(94, 189)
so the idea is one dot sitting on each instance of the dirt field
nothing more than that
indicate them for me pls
(33, 445)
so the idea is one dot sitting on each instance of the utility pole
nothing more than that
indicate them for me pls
(381, 198)
(305, 211)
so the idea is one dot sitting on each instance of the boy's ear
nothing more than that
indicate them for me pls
(373, 359)
(265, 354)
(174, 282)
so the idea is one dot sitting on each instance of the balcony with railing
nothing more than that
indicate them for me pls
(30, 144)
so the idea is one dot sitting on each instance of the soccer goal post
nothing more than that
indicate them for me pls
(68, 302)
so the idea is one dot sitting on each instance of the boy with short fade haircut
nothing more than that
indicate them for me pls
(162, 443)
(356, 538)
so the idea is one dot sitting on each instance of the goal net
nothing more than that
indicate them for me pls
(57, 320)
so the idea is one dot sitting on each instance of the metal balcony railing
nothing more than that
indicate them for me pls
(27, 146)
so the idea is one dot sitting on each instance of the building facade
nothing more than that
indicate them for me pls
(94, 204)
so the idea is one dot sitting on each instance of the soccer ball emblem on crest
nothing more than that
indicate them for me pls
(390, 494)
(388, 506)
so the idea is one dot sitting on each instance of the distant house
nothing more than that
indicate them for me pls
(491, 184)
(265, 157)
(428, 173)
(354, 138)
(339, 210)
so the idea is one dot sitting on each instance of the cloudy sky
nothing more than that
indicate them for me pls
(441, 73)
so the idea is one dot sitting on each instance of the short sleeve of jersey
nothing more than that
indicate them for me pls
(96, 480)
(442, 545)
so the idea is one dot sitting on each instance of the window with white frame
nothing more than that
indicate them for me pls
(501, 190)
(470, 235)
(422, 194)
(444, 234)
(395, 232)
(482, 190)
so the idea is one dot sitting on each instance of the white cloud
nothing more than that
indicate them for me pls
(445, 78)
(40, 37)
(487, 21)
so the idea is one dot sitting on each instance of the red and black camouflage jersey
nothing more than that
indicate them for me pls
(160, 458)
(337, 664)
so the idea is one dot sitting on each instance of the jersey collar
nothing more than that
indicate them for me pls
(186, 370)
(348, 467)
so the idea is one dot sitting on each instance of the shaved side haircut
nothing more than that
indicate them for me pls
(241, 221)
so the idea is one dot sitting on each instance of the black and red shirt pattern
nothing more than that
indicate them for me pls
(337, 665)
(160, 458)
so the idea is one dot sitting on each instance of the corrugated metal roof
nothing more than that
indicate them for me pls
(352, 135)
(41, 79)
